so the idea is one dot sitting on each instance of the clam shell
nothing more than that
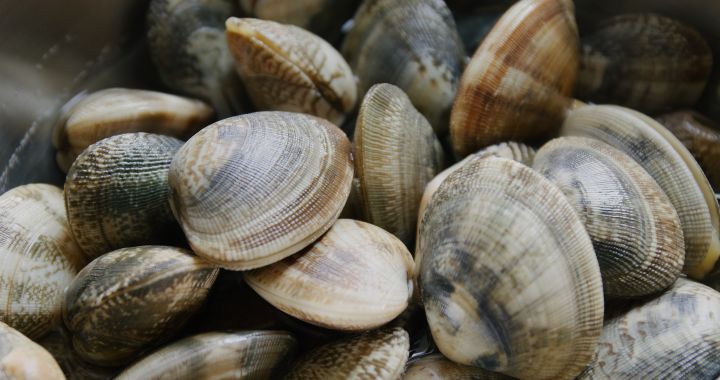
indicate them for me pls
(114, 111)
(517, 83)
(412, 44)
(253, 189)
(437, 367)
(216, 355)
(38, 257)
(355, 277)
(287, 68)
(396, 155)
(116, 193)
(633, 225)
(23, 359)
(59, 344)
(672, 167)
(645, 62)
(509, 279)
(379, 354)
(131, 298)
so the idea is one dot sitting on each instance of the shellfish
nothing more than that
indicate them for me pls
(437, 367)
(23, 359)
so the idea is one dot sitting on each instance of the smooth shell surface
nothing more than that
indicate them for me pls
(287, 68)
(670, 164)
(355, 277)
(509, 278)
(23, 359)
(438, 367)
(518, 82)
(379, 354)
(38, 257)
(131, 298)
(216, 355)
(253, 189)
(116, 193)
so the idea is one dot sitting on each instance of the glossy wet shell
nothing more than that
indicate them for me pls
(379, 354)
(131, 298)
(645, 62)
(437, 367)
(287, 68)
(633, 225)
(38, 257)
(517, 83)
(23, 359)
(672, 167)
(114, 111)
(509, 278)
(674, 336)
(412, 44)
(116, 193)
(396, 155)
(216, 355)
(253, 189)
(355, 277)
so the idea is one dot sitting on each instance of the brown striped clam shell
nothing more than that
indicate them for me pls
(23, 359)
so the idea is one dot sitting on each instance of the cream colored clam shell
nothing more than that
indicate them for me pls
(23, 359)
(438, 367)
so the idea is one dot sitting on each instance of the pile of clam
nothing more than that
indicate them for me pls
(482, 223)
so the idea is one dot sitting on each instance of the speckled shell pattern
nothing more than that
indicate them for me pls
(412, 44)
(396, 155)
(509, 278)
(355, 277)
(670, 164)
(253, 189)
(674, 336)
(215, 355)
(438, 367)
(131, 298)
(646, 62)
(518, 82)
(286, 68)
(116, 193)
(378, 354)
(23, 359)
(38, 258)
(633, 225)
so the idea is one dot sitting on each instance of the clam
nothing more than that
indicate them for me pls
(509, 278)
(116, 193)
(59, 344)
(674, 336)
(186, 40)
(379, 354)
(38, 258)
(670, 164)
(633, 225)
(396, 154)
(132, 298)
(646, 62)
(114, 111)
(23, 359)
(253, 189)
(287, 68)
(216, 355)
(518, 82)
(355, 277)
(437, 367)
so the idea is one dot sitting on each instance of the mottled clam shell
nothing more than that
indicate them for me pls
(379, 354)
(116, 193)
(670, 164)
(131, 298)
(674, 336)
(633, 225)
(114, 111)
(23, 359)
(38, 258)
(509, 278)
(412, 44)
(216, 355)
(355, 277)
(396, 155)
(518, 82)
(438, 367)
(253, 189)
(287, 68)
(186, 40)
(645, 62)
